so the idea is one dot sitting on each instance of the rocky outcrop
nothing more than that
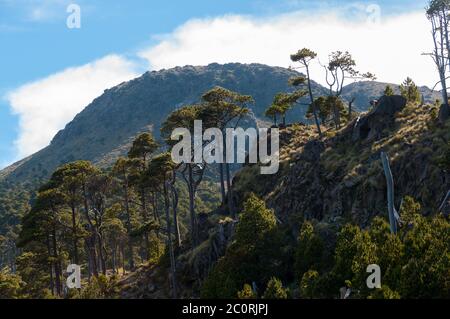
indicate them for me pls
(340, 178)
(370, 127)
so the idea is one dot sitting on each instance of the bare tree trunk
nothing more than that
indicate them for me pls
(169, 243)
(193, 215)
(350, 111)
(101, 254)
(93, 255)
(52, 283)
(130, 243)
(145, 217)
(222, 183)
(114, 258)
(229, 191)
(444, 202)
(122, 251)
(155, 212)
(311, 97)
(56, 263)
(441, 60)
(175, 211)
(74, 234)
(390, 192)
(91, 239)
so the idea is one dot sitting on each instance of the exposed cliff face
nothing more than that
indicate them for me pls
(340, 178)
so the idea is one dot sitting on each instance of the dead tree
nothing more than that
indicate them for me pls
(350, 108)
(438, 15)
(444, 203)
(393, 215)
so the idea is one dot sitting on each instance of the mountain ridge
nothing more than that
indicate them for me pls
(124, 110)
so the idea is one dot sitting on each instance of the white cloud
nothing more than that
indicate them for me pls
(391, 49)
(47, 105)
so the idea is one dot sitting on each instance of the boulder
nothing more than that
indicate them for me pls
(370, 127)
(389, 105)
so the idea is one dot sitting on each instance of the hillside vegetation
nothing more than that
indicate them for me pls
(106, 194)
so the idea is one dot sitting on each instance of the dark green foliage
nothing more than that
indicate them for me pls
(414, 264)
(258, 252)
(256, 221)
(275, 290)
(308, 284)
(410, 91)
(246, 293)
(310, 251)
(388, 91)
(10, 285)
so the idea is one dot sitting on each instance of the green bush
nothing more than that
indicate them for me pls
(275, 290)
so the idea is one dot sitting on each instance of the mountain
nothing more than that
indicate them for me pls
(105, 128)
(322, 184)
(366, 91)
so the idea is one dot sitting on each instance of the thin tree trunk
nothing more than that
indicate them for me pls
(350, 104)
(74, 234)
(230, 192)
(169, 243)
(56, 262)
(114, 258)
(91, 239)
(122, 250)
(155, 212)
(130, 243)
(144, 215)
(222, 183)
(101, 255)
(228, 181)
(52, 283)
(390, 192)
(175, 215)
(93, 255)
(193, 215)
(311, 97)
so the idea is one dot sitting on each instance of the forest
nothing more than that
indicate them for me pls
(199, 230)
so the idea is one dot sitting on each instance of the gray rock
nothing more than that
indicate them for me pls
(371, 126)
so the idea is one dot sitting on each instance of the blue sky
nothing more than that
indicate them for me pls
(36, 43)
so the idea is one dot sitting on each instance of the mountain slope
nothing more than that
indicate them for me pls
(102, 131)
(105, 128)
(329, 182)
(340, 178)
